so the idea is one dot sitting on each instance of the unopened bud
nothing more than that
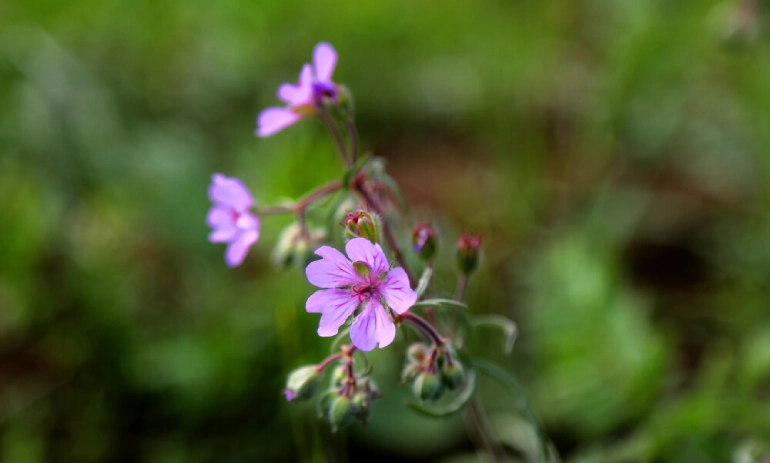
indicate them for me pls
(424, 241)
(341, 412)
(416, 352)
(302, 383)
(293, 249)
(338, 375)
(325, 401)
(410, 371)
(427, 386)
(452, 375)
(362, 224)
(468, 248)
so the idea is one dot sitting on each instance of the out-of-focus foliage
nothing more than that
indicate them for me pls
(614, 156)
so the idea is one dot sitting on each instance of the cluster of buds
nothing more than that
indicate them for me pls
(348, 397)
(362, 224)
(432, 370)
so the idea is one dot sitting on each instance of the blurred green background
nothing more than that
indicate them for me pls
(614, 155)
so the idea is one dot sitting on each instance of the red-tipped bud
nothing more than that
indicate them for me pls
(362, 224)
(424, 241)
(468, 249)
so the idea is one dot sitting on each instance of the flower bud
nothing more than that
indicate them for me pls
(416, 352)
(325, 401)
(424, 241)
(302, 383)
(293, 249)
(362, 224)
(359, 405)
(410, 371)
(341, 412)
(452, 374)
(366, 385)
(427, 386)
(338, 375)
(468, 247)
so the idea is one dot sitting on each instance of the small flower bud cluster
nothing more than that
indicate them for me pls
(348, 397)
(432, 370)
(295, 245)
(362, 224)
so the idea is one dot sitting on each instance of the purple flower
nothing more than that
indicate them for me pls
(366, 282)
(314, 87)
(230, 217)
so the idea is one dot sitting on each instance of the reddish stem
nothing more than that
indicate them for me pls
(423, 326)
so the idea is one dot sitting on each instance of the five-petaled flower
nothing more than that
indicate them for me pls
(314, 88)
(231, 219)
(365, 282)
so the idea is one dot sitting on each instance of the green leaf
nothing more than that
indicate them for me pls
(461, 400)
(509, 328)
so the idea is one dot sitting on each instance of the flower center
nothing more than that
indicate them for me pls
(234, 215)
(362, 292)
(324, 91)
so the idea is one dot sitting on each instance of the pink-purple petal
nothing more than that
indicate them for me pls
(306, 78)
(396, 291)
(324, 61)
(363, 250)
(247, 221)
(332, 271)
(275, 119)
(329, 299)
(237, 249)
(372, 326)
(295, 95)
(230, 192)
(218, 216)
(335, 316)
(223, 234)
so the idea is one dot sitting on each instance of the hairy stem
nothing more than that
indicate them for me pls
(327, 119)
(423, 326)
(309, 199)
(462, 287)
(350, 126)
